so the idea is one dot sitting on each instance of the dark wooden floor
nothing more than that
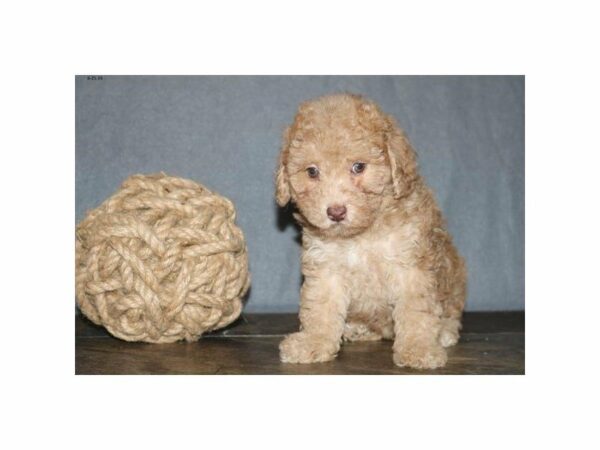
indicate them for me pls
(491, 343)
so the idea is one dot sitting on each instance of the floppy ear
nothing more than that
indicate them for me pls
(400, 153)
(282, 184)
(403, 160)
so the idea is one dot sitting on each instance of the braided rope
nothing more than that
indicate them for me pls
(161, 260)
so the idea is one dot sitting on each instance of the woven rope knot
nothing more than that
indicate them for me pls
(161, 260)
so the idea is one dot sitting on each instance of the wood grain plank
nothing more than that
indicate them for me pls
(483, 353)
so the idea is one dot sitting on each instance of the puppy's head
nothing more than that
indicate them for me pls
(340, 158)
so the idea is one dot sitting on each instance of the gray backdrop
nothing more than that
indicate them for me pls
(225, 133)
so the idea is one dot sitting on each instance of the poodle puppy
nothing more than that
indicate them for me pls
(377, 260)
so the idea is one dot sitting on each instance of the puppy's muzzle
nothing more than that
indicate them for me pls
(337, 213)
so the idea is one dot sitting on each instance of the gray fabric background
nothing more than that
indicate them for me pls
(225, 133)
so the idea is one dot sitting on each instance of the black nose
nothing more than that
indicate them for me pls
(336, 213)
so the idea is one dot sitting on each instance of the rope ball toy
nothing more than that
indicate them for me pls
(161, 260)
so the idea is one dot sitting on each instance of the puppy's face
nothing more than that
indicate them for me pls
(337, 178)
(336, 164)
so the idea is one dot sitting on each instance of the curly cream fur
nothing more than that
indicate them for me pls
(388, 269)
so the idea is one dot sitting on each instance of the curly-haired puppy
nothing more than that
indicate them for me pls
(377, 260)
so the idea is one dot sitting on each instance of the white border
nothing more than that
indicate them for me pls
(46, 43)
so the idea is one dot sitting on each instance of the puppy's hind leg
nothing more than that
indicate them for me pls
(372, 325)
(449, 332)
(358, 331)
(454, 301)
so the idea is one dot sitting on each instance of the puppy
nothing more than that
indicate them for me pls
(377, 260)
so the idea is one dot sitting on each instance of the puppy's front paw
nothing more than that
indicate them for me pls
(305, 348)
(420, 357)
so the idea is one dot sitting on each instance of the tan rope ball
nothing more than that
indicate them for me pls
(161, 260)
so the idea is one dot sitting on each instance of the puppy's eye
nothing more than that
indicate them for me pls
(358, 167)
(312, 171)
